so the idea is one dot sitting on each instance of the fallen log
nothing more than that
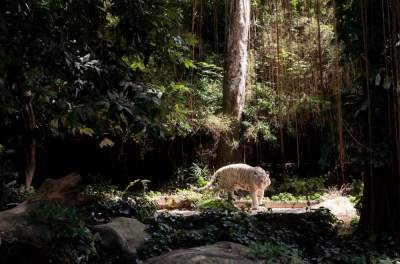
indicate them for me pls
(14, 223)
(281, 204)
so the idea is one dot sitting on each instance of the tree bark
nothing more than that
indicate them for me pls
(215, 24)
(320, 75)
(381, 201)
(338, 100)
(197, 27)
(30, 140)
(234, 85)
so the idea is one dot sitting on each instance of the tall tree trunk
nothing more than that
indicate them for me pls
(320, 75)
(234, 86)
(381, 201)
(278, 84)
(30, 140)
(215, 25)
(339, 114)
(197, 27)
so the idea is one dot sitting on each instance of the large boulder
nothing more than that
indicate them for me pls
(122, 236)
(219, 253)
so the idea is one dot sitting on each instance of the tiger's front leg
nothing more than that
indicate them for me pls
(254, 201)
(260, 196)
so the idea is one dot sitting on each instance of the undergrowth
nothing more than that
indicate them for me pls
(277, 252)
(213, 203)
(288, 197)
(301, 186)
(277, 238)
(110, 202)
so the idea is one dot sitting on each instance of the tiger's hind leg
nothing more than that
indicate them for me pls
(229, 194)
(233, 194)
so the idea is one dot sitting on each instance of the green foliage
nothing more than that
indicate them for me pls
(359, 250)
(284, 197)
(173, 232)
(357, 188)
(13, 194)
(193, 198)
(143, 183)
(101, 190)
(110, 202)
(355, 222)
(277, 253)
(259, 110)
(71, 241)
(283, 95)
(201, 181)
(199, 174)
(216, 204)
(195, 174)
(137, 207)
(302, 186)
(288, 197)
(357, 192)
(305, 231)
(101, 72)
(10, 191)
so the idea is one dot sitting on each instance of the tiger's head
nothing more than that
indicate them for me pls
(263, 176)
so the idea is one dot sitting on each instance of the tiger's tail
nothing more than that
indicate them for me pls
(208, 185)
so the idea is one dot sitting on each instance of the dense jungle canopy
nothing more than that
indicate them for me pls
(161, 93)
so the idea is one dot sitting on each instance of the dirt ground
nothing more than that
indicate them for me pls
(341, 207)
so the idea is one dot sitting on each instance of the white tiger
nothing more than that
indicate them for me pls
(244, 177)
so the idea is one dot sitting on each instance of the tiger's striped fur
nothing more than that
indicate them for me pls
(244, 177)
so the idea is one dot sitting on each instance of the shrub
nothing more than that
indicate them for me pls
(214, 224)
(216, 204)
(357, 191)
(196, 174)
(288, 197)
(277, 253)
(296, 185)
(110, 202)
(13, 194)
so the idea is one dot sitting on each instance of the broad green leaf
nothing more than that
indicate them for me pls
(86, 131)
(188, 63)
(54, 124)
(106, 142)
